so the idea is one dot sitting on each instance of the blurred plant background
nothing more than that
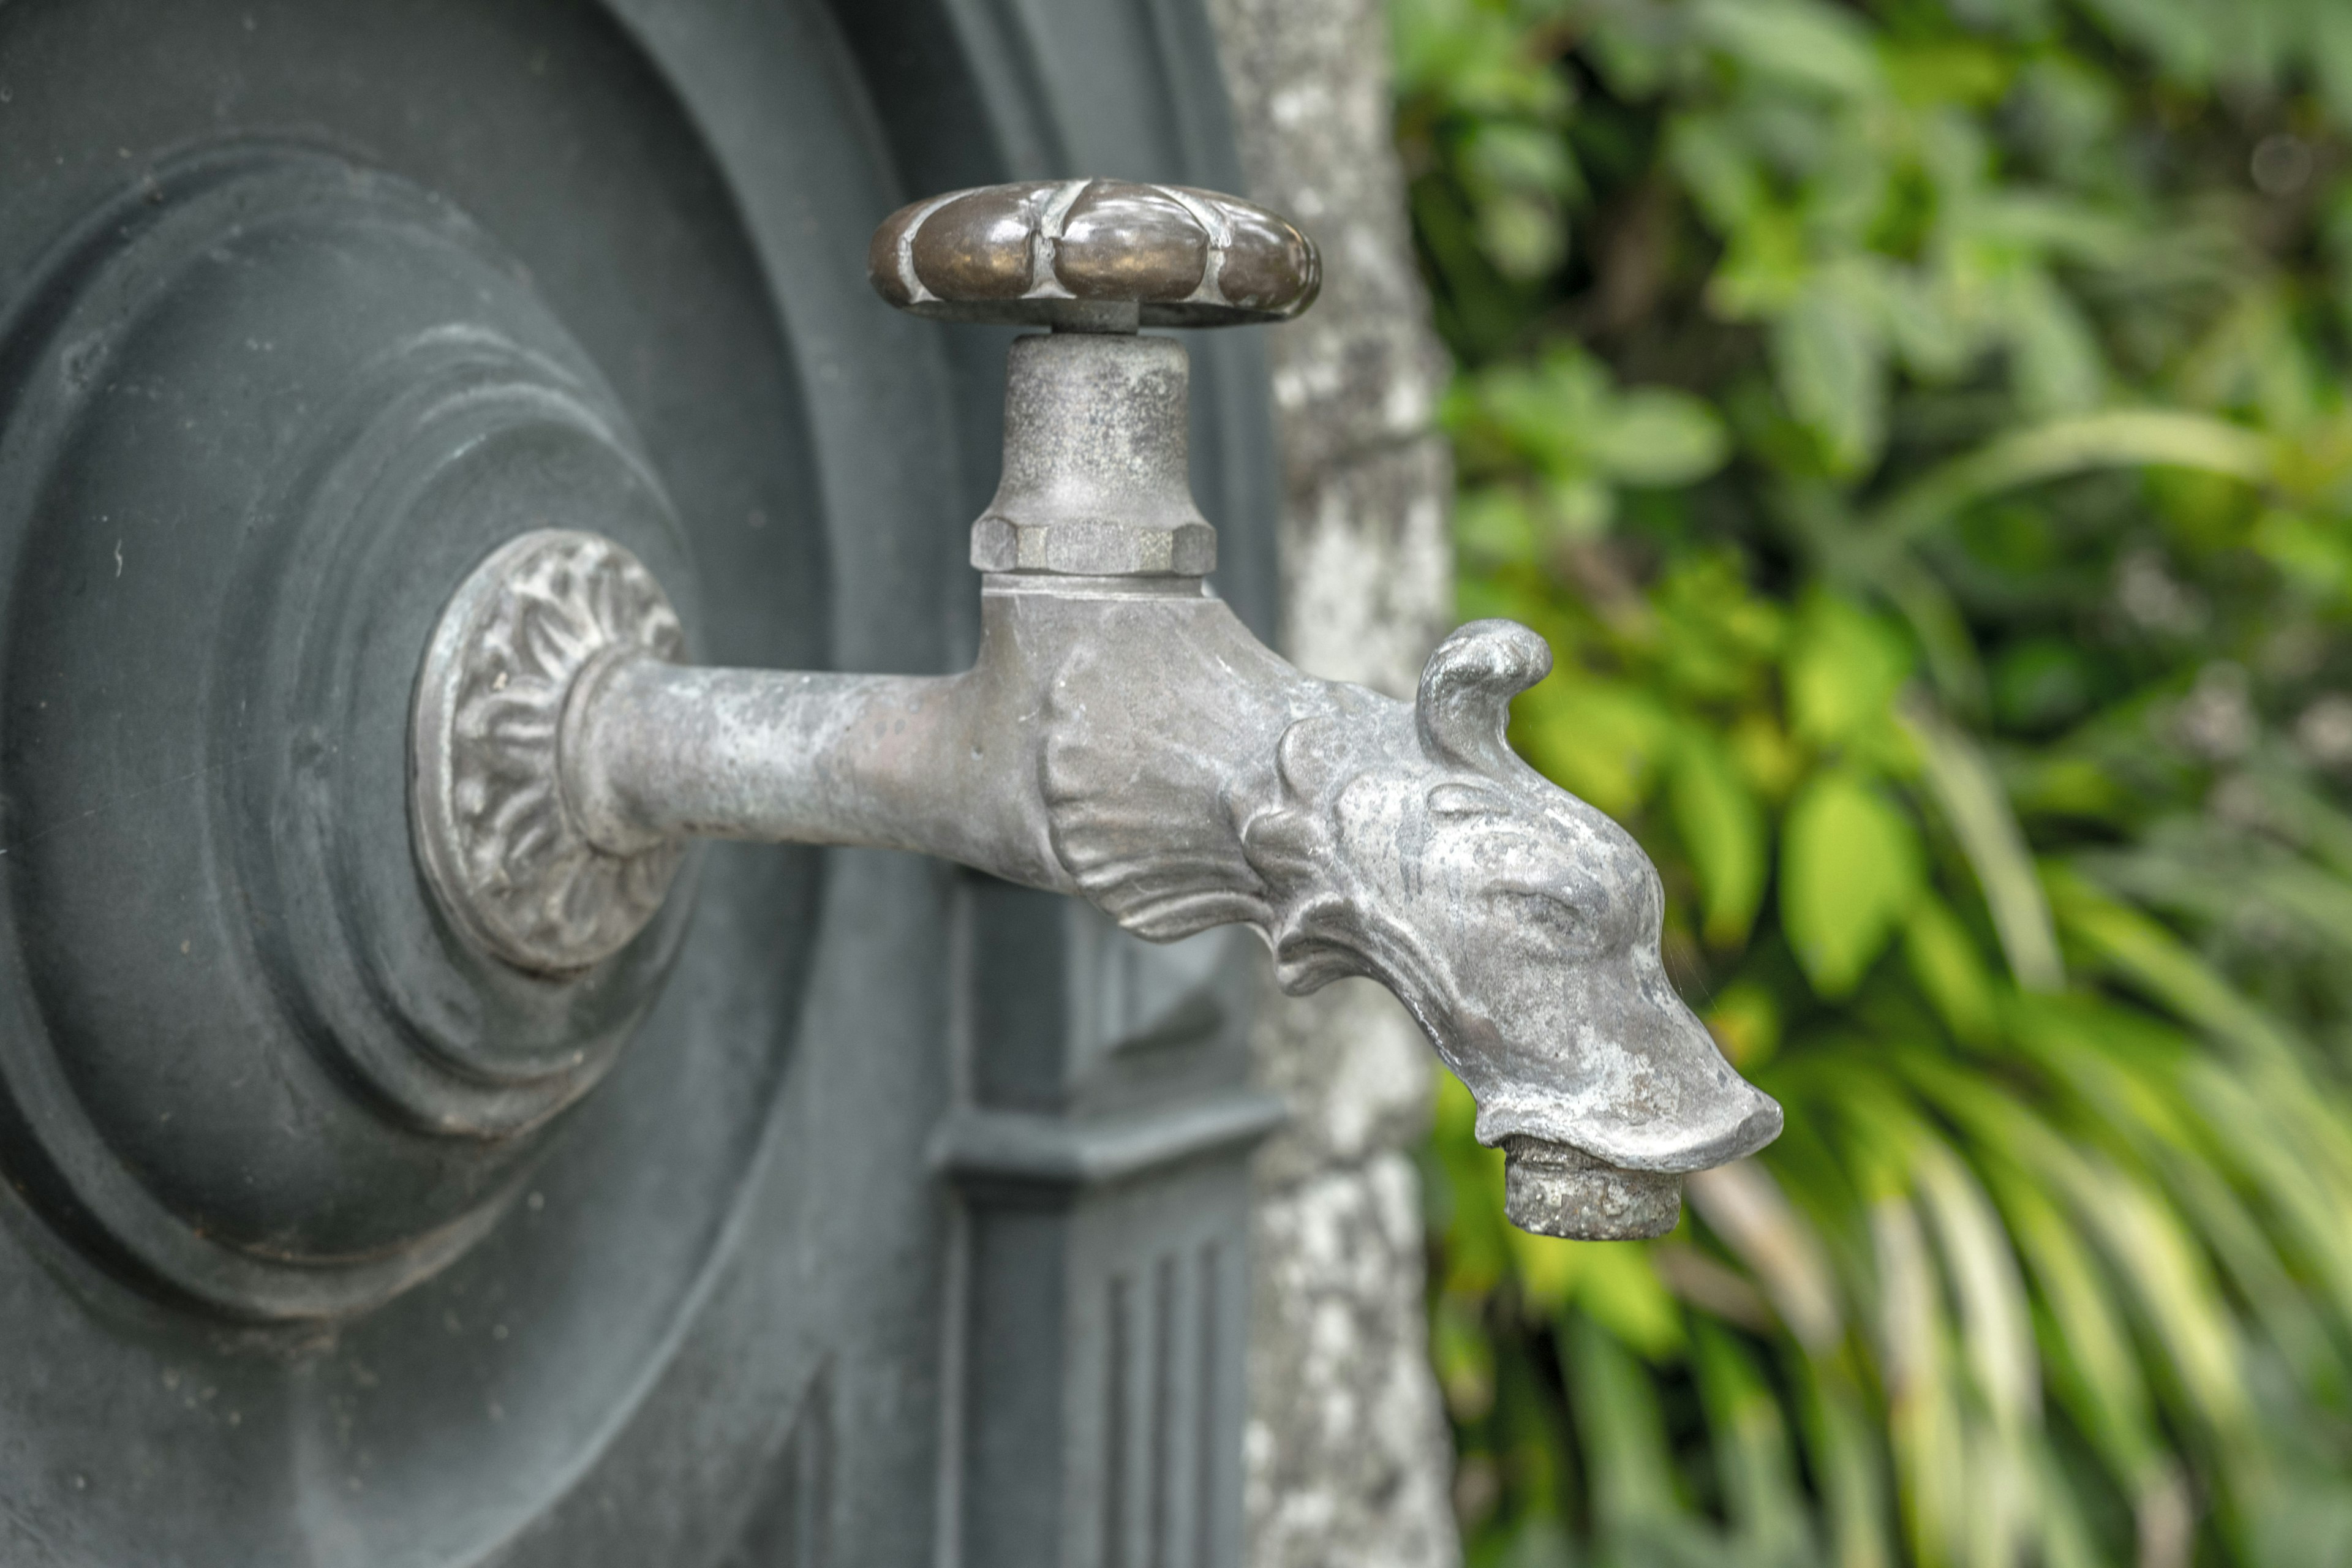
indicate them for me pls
(1920, 427)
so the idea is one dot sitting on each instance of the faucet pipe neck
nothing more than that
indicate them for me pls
(1096, 480)
(651, 752)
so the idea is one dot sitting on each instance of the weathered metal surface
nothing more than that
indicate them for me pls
(1094, 481)
(397, 1256)
(1122, 737)
(1129, 742)
(1349, 1458)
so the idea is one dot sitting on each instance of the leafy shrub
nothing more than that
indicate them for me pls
(1920, 429)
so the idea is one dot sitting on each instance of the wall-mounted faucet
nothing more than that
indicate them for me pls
(1121, 736)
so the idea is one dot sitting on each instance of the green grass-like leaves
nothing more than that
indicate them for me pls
(1920, 429)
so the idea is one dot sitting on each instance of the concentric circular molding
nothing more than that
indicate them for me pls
(300, 398)
(533, 626)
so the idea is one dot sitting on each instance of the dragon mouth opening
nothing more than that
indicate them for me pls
(1554, 1189)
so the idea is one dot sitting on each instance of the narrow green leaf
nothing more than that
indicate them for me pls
(1832, 362)
(2099, 1376)
(1980, 818)
(1995, 1324)
(1651, 435)
(1850, 868)
(1847, 1461)
(1922, 1411)
(2143, 1238)
(2143, 952)
(2302, 1183)
(2115, 438)
(1843, 671)
(1624, 1435)
(1620, 1289)
(1945, 640)
(1802, 42)
(1944, 961)
(2290, 1314)
(1742, 1204)
(2054, 357)
(1722, 826)
(2065, 1540)
(1755, 1460)
(2146, 1242)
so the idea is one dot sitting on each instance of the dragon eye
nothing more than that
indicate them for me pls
(1456, 798)
(1563, 930)
(1540, 909)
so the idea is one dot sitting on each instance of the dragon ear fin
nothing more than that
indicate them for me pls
(1314, 754)
(1466, 688)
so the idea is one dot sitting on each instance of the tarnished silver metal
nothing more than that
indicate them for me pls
(1558, 1189)
(1124, 737)
(1095, 481)
(528, 634)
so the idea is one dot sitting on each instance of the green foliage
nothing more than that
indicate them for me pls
(1920, 429)
(1849, 872)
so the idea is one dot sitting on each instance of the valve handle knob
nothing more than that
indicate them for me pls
(1093, 256)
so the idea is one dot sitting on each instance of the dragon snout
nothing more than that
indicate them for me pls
(1600, 1126)
(1559, 1189)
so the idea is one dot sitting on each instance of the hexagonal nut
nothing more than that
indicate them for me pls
(1094, 547)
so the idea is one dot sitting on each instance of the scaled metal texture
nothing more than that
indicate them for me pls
(1124, 737)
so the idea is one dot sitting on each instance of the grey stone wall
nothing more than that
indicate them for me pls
(1348, 1454)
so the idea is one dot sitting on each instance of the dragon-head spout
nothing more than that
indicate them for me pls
(1520, 927)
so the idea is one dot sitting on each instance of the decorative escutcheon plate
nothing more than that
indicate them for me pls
(535, 625)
